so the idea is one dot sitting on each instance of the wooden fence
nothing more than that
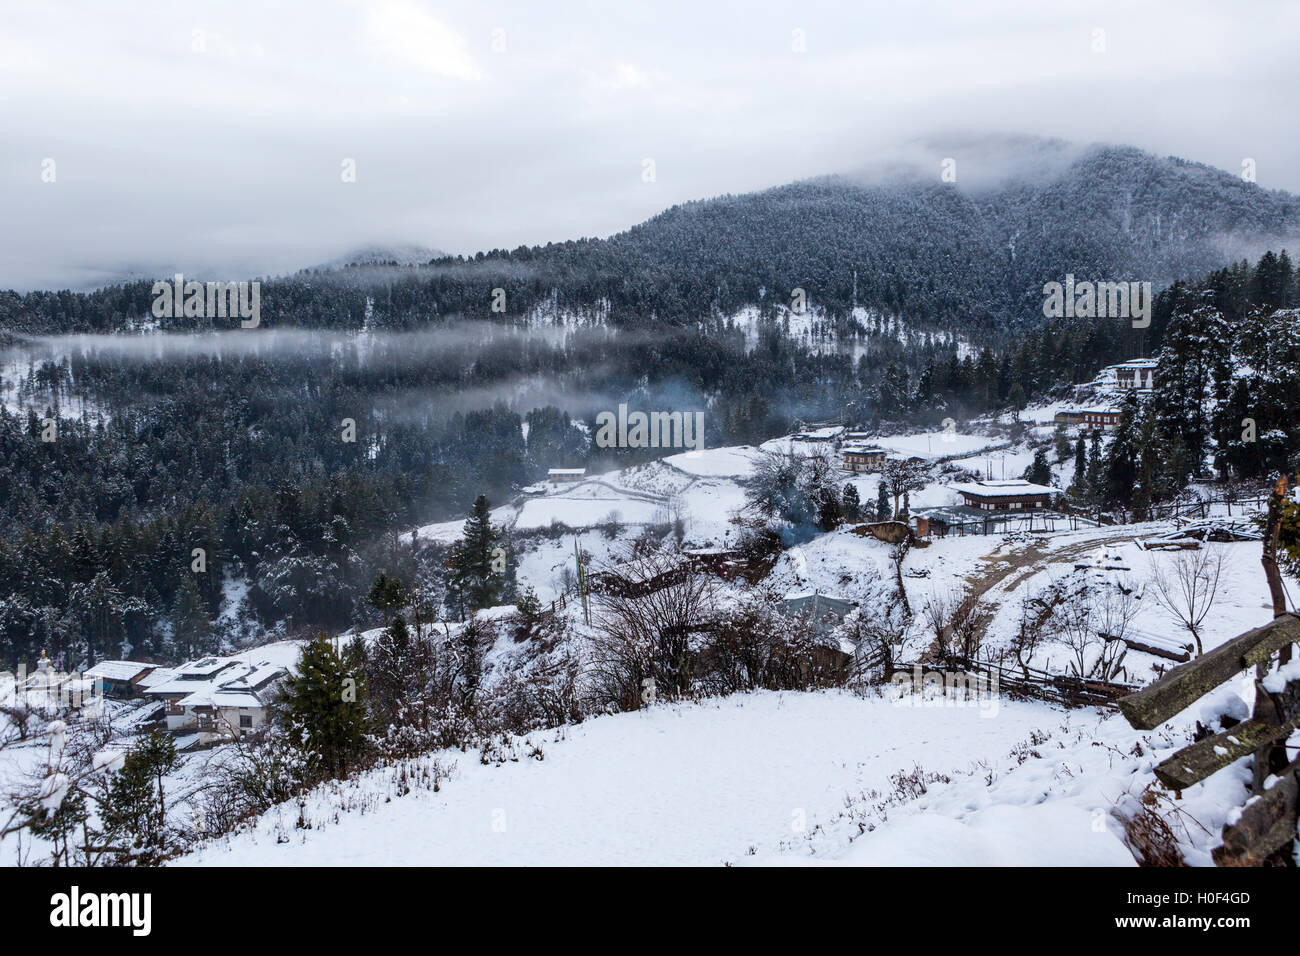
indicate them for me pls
(1031, 682)
(1267, 822)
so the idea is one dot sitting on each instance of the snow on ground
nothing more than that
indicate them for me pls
(839, 563)
(932, 445)
(584, 512)
(1005, 463)
(702, 488)
(693, 784)
(1242, 600)
(733, 462)
(765, 778)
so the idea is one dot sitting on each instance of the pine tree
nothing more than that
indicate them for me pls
(478, 574)
(1093, 481)
(134, 811)
(883, 512)
(1120, 468)
(529, 610)
(1194, 370)
(1040, 470)
(852, 504)
(387, 595)
(323, 711)
(191, 625)
(1061, 444)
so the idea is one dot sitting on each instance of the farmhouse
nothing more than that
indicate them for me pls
(861, 457)
(1138, 373)
(1102, 418)
(1099, 417)
(566, 474)
(121, 679)
(1012, 494)
(214, 698)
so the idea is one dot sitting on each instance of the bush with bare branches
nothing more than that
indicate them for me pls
(1189, 586)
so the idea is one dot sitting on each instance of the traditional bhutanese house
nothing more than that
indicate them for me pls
(235, 704)
(1139, 373)
(559, 475)
(120, 679)
(1011, 494)
(1104, 419)
(1100, 418)
(185, 680)
(861, 457)
(216, 698)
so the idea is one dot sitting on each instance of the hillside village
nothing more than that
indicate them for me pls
(942, 562)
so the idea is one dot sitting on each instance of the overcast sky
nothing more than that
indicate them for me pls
(211, 137)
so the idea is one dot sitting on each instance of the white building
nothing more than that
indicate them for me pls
(217, 698)
(1138, 373)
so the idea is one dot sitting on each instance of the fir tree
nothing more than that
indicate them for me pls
(477, 561)
(191, 626)
(1120, 468)
(852, 504)
(387, 595)
(1040, 470)
(134, 812)
(1061, 444)
(883, 512)
(1093, 481)
(323, 711)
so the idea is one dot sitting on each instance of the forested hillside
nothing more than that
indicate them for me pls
(232, 440)
(939, 254)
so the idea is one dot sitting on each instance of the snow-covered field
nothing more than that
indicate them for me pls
(932, 445)
(766, 778)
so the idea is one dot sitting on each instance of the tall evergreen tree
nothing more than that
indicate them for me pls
(323, 711)
(1040, 469)
(1120, 468)
(852, 504)
(883, 511)
(478, 561)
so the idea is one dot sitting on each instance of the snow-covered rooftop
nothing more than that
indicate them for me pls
(118, 670)
(1005, 488)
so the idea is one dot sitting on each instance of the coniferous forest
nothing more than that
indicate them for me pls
(298, 457)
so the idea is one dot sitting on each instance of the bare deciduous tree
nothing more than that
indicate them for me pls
(1189, 586)
(646, 635)
(902, 475)
(957, 624)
